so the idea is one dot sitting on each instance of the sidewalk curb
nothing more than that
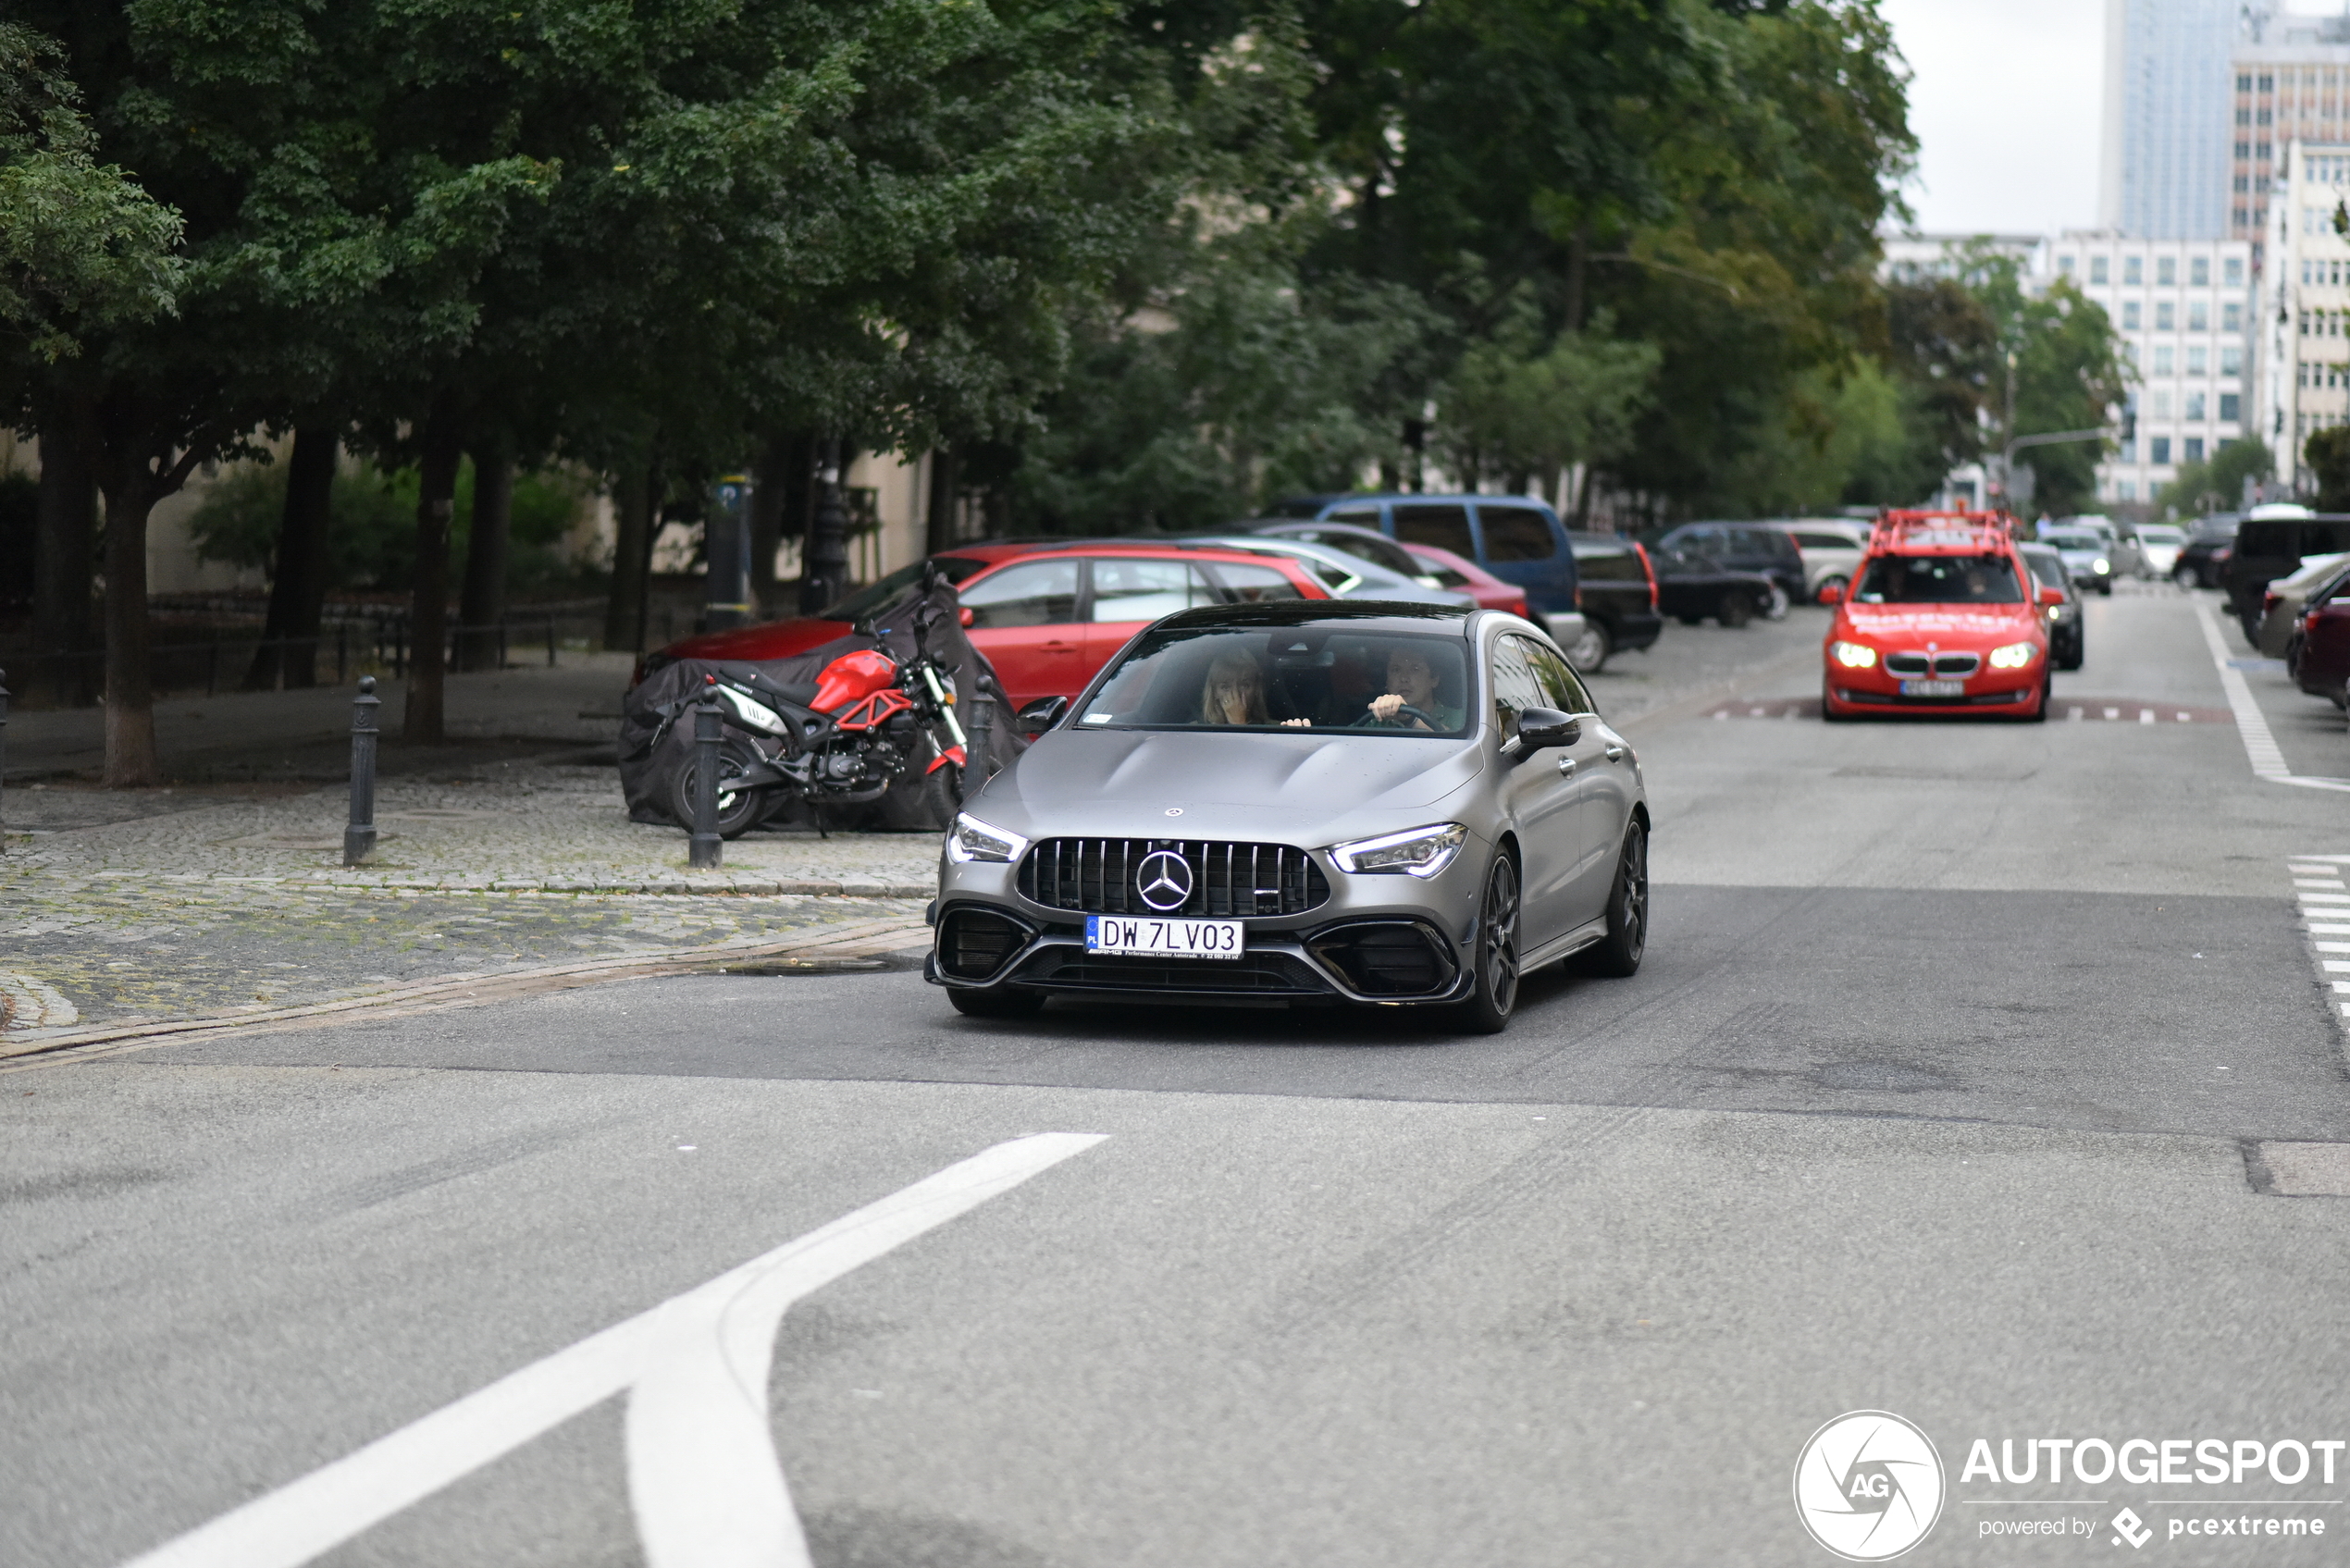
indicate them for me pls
(580, 887)
(843, 942)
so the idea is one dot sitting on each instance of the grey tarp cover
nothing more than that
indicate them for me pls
(657, 723)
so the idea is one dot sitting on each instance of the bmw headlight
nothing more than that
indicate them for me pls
(971, 839)
(2014, 656)
(1421, 852)
(1853, 655)
(2100, 564)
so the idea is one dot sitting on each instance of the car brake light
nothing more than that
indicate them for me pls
(2269, 602)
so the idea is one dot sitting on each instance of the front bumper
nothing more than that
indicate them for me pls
(1988, 692)
(1382, 940)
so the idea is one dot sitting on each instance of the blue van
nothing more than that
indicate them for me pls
(1517, 539)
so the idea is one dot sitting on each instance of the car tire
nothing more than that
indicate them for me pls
(2185, 577)
(1831, 588)
(1617, 956)
(2074, 653)
(1737, 609)
(996, 1002)
(738, 812)
(2106, 587)
(1494, 959)
(1590, 652)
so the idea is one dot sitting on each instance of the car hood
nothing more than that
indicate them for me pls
(1951, 624)
(1305, 788)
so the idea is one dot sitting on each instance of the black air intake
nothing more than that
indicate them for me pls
(974, 944)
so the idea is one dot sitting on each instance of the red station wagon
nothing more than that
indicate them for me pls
(1047, 615)
(1942, 616)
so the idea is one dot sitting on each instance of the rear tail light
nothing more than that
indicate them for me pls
(2269, 602)
(1648, 570)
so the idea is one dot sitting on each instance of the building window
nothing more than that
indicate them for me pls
(2166, 271)
(2268, 83)
(2166, 316)
(2129, 450)
(2244, 182)
(2064, 265)
(2244, 219)
(2097, 273)
(2231, 360)
(2194, 407)
(2244, 116)
(2230, 408)
(2232, 318)
(2199, 272)
(2199, 315)
(2164, 358)
(2127, 489)
(2198, 360)
(2243, 81)
(2130, 316)
(2159, 404)
(2195, 449)
(2133, 269)
(2264, 118)
(2244, 151)
(2260, 155)
(2159, 448)
(2235, 272)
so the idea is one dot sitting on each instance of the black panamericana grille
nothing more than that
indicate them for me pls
(1097, 876)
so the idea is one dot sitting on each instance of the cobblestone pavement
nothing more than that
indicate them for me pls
(216, 901)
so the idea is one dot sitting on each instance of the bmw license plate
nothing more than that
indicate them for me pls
(1932, 688)
(1151, 938)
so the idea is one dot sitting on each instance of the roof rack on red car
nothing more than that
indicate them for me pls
(1955, 530)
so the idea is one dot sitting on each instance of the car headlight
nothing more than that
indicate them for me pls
(1421, 852)
(2100, 564)
(2015, 656)
(1853, 655)
(971, 839)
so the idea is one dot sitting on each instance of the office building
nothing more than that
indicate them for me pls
(2306, 318)
(2166, 170)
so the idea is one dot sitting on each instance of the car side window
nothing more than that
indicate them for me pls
(1517, 687)
(1361, 516)
(1254, 584)
(1126, 588)
(1446, 527)
(1608, 565)
(1562, 688)
(1033, 593)
(1517, 533)
(1825, 541)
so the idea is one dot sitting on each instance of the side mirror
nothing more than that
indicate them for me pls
(968, 616)
(1539, 728)
(2051, 597)
(1037, 717)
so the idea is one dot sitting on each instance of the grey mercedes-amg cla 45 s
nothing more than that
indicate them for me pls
(1304, 802)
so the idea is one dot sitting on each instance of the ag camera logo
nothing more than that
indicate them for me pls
(1868, 1485)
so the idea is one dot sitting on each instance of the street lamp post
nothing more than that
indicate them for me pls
(823, 573)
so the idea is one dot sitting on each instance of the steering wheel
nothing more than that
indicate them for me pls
(1407, 711)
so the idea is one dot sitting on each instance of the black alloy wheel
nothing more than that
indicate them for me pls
(739, 811)
(1619, 953)
(1487, 1011)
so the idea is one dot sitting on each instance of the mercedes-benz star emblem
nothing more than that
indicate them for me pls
(1165, 881)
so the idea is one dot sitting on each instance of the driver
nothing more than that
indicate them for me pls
(1411, 683)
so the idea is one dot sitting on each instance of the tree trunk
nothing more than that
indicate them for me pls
(1578, 267)
(946, 487)
(631, 559)
(65, 539)
(486, 550)
(131, 762)
(769, 490)
(428, 614)
(298, 590)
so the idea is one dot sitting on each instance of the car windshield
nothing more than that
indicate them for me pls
(2155, 534)
(1298, 677)
(2048, 569)
(1940, 579)
(886, 590)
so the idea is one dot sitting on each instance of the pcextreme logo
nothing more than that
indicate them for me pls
(1868, 1485)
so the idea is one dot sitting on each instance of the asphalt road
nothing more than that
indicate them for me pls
(1953, 1087)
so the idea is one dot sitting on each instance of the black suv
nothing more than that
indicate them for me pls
(2205, 550)
(1617, 592)
(2269, 547)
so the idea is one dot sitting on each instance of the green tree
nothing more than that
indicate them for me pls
(2216, 482)
(2327, 453)
(1520, 411)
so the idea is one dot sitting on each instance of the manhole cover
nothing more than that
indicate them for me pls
(1883, 1078)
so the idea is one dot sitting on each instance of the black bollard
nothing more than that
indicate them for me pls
(4, 760)
(708, 849)
(359, 838)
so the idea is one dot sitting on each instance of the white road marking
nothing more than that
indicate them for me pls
(2252, 726)
(2330, 929)
(2145, 715)
(2074, 716)
(707, 1488)
(2113, 712)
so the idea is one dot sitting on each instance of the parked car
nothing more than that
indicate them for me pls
(1517, 539)
(1744, 547)
(1619, 597)
(2158, 548)
(2210, 543)
(2068, 637)
(1047, 615)
(1346, 576)
(1693, 589)
(1460, 573)
(1423, 563)
(1830, 548)
(2086, 555)
(2281, 606)
(2319, 657)
(1945, 619)
(2122, 552)
(2275, 541)
(1376, 809)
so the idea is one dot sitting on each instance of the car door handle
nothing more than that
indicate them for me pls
(1615, 754)
(1566, 767)
(1055, 645)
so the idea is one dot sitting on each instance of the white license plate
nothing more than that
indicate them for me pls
(1150, 937)
(1932, 688)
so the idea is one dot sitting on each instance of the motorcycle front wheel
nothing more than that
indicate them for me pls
(739, 811)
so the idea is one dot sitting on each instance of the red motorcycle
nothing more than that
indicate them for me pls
(868, 723)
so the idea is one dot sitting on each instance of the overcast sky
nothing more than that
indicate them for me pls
(2006, 107)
